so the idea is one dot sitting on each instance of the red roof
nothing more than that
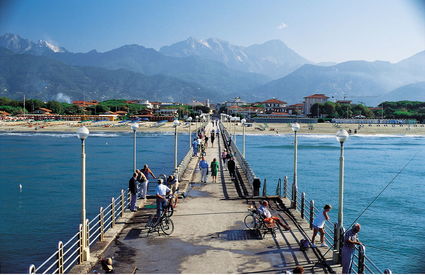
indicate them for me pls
(274, 100)
(45, 110)
(296, 105)
(317, 96)
(87, 103)
(4, 113)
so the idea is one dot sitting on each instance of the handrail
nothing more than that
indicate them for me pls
(70, 253)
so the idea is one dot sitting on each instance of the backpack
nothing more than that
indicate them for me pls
(304, 245)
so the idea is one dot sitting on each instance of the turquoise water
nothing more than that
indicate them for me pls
(393, 227)
(48, 167)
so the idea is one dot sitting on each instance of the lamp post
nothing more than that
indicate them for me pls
(189, 119)
(197, 118)
(175, 124)
(295, 127)
(82, 134)
(341, 136)
(243, 121)
(134, 127)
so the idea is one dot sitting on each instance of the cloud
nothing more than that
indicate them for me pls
(282, 26)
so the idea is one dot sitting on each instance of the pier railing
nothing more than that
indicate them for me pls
(361, 264)
(238, 156)
(70, 253)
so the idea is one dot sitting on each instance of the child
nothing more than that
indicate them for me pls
(319, 226)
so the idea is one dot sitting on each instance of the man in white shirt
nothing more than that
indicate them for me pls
(161, 197)
(268, 218)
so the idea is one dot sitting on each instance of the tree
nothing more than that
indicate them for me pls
(56, 107)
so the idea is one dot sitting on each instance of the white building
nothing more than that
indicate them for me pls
(311, 100)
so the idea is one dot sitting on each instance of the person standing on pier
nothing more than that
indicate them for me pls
(132, 187)
(144, 188)
(231, 165)
(161, 197)
(350, 241)
(214, 170)
(195, 146)
(203, 166)
(212, 138)
(319, 226)
(206, 141)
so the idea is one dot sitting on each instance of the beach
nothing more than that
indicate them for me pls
(254, 128)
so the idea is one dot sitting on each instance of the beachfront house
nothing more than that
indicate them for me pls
(311, 100)
(295, 109)
(274, 106)
(43, 111)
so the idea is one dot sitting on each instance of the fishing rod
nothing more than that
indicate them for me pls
(377, 196)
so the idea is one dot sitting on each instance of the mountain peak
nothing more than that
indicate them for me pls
(17, 44)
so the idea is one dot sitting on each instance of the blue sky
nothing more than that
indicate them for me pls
(325, 30)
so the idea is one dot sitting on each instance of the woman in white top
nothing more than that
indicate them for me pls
(319, 226)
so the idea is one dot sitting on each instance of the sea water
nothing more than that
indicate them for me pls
(48, 166)
(393, 226)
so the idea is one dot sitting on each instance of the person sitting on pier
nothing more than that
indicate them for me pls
(319, 226)
(161, 197)
(267, 215)
(349, 246)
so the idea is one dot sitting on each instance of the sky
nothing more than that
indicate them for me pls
(320, 30)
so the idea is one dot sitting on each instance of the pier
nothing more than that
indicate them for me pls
(210, 235)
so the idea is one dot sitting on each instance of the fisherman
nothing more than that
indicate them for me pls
(144, 187)
(319, 226)
(132, 187)
(161, 200)
(350, 241)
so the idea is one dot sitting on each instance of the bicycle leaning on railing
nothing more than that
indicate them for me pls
(162, 223)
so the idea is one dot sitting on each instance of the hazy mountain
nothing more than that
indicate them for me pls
(272, 58)
(414, 92)
(17, 44)
(209, 74)
(356, 80)
(414, 65)
(44, 78)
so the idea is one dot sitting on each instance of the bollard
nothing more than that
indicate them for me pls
(265, 188)
(279, 188)
(256, 185)
(102, 224)
(60, 258)
(112, 212)
(311, 214)
(361, 259)
(294, 196)
(80, 243)
(31, 270)
(122, 202)
(87, 233)
(285, 187)
(302, 204)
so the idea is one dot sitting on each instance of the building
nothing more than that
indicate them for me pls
(274, 106)
(247, 112)
(343, 101)
(146, 104)
(296, 109)
(43, 111)
(235, 102)
(311, 100)
(167, 112)
(84, 104)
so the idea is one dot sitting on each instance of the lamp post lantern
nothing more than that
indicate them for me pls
(341, 136)
(295, 127)
(175, 124)
(189, 119)
(243, 121)
(82, 134)
(134, 127)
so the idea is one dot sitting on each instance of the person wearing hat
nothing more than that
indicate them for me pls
(107, 265)
(351, 239)
(161, 197)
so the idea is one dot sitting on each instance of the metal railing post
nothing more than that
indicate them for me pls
(87, 233)
(60, 258)
(302, 204)
(285, 187)
(361, 260)
(265, 188)
(294, 196)
(122, 202)
(101, 224)
(279, 188)
(112, 212)
(311, 213)
(31, 269)
(80, 243)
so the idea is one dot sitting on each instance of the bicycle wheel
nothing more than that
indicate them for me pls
(250, 222)
(167, 226)
(169, 211)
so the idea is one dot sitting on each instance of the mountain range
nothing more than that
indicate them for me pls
(198, 69)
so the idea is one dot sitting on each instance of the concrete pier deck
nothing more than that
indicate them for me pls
(210, 236)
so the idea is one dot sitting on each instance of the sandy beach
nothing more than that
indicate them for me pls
(255, 128)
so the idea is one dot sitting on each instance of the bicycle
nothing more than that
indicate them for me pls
(163, 223)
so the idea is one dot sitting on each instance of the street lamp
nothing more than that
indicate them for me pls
(295, 127)
(134, 127)
(234, 129)
(189, 119)
(341, 136)
(243, 121)
(197, 118)
(175, 124)
(82, 134)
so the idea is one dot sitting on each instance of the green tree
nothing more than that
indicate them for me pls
(56, 107)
